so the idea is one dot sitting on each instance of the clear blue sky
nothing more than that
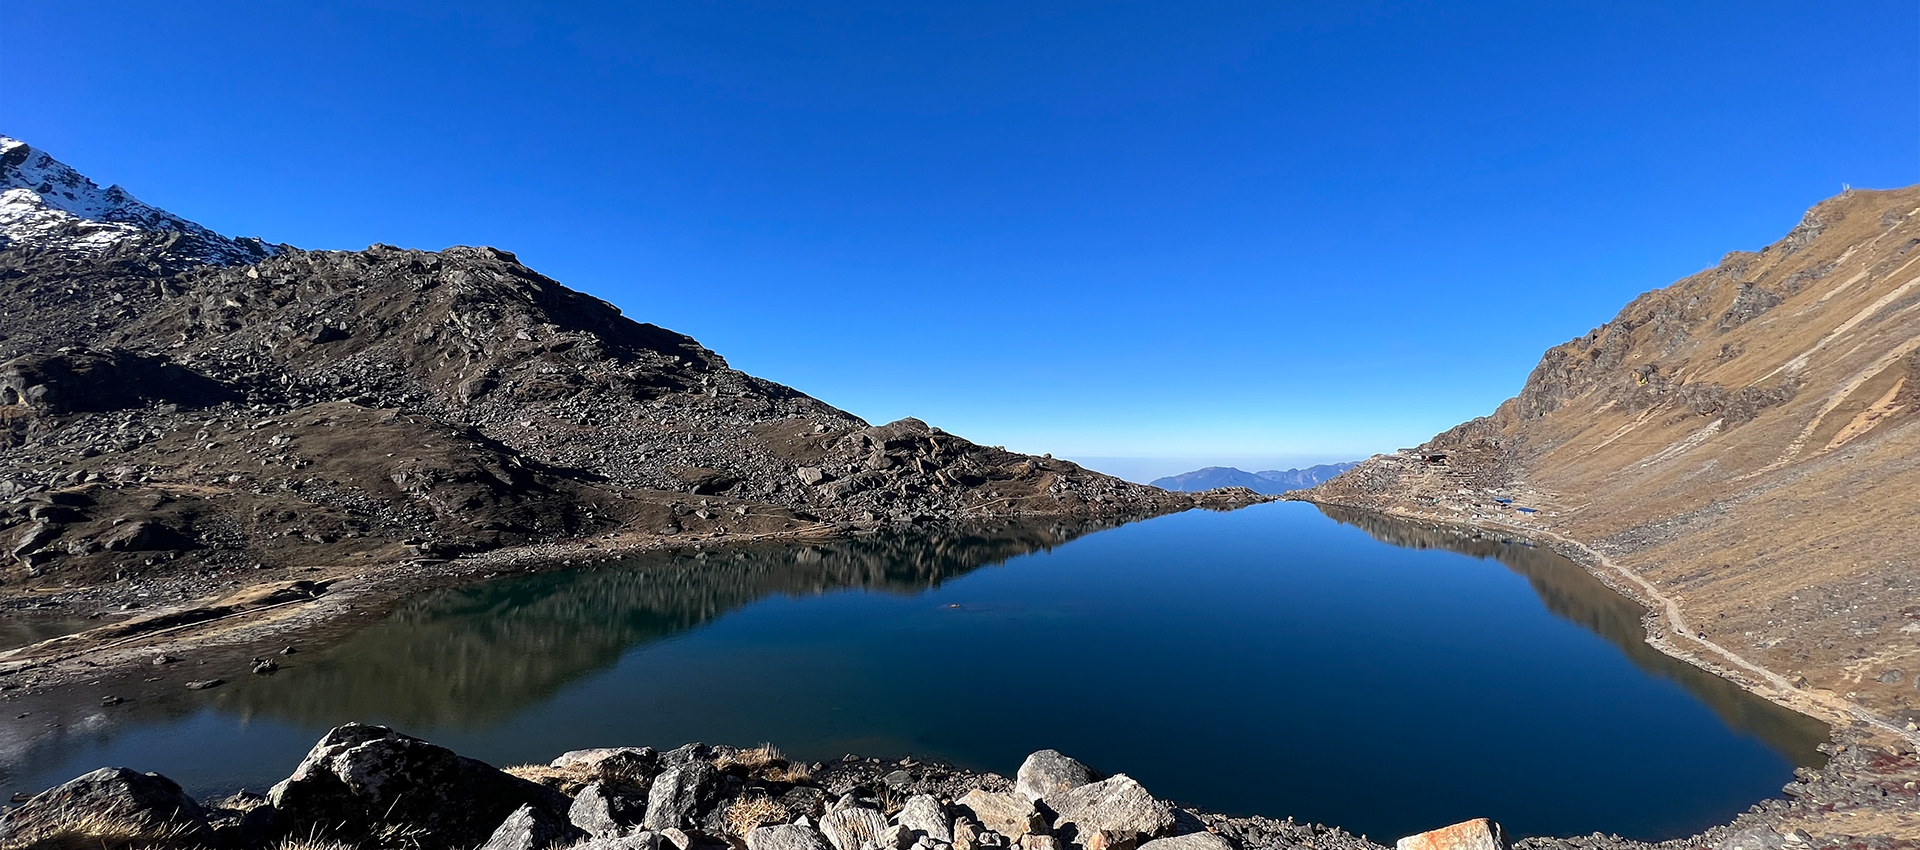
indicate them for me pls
(1200, 230)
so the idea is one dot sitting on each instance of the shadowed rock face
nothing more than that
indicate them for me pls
(81, 380)
(371, 784)
(145, 807)
(1746, 439)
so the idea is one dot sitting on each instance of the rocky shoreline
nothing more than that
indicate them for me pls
(370, 786)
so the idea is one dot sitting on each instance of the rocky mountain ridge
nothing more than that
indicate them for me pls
(165, 411)
(46, 203)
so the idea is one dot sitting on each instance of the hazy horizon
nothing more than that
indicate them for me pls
(1145, 469)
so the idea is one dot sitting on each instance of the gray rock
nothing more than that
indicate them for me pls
(147, 804)
(803, 800)
(641, 840)
(1108, 839)
(677, 837)
(528, 828)
(686, 754)
(786, 837)
(1117, 804)
(143, 536)
(682, 793)
(1040, 842)
(1048, 772)
(924, 814)
(897, 779)
(811, 475)
(358, 779)
(592, 758)
(35, 537)
(1193, 841)
(602, 815)
(966, 833)
(896, 837)
(1476, 834)
(1010, 815)
(853, 827)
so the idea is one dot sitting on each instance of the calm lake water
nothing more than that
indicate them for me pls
(1277, 660)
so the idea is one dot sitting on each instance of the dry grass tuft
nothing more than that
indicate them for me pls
(890, 800)
(397, 836)
(764, 762)
(97, 830)
(566, 780)
(752, 760)
(794, 773)
(314, 844)
(749, 813)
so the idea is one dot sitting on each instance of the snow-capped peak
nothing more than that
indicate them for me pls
(45, 203)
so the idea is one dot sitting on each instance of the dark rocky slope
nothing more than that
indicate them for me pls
(165, 413)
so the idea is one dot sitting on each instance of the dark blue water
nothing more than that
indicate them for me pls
(1271, 660)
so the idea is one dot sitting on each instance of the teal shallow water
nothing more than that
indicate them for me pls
(1271, 660)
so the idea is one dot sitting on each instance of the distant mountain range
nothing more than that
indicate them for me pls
(1272, 481)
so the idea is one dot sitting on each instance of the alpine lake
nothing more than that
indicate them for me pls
(1284, 660)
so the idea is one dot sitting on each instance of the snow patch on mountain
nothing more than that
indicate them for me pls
(45, 203)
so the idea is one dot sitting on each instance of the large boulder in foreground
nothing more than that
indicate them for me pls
(682, 793)
(1047, 773)
(853, 828)
(364, 782)
(923, 814)
(1011, 815)
(1114, 805)
(1190, 841)
(786, 837)
(108, 807)
(605, 815)
(529, 828)
(1476, 834)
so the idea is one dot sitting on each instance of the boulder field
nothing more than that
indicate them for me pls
(364, 786)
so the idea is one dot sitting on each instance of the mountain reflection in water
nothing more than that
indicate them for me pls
(1271, 660)
(1569, 591)
(469, 656)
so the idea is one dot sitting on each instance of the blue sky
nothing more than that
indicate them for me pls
(1258, 233)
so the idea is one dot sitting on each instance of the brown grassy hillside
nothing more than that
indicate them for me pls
(1747, 440)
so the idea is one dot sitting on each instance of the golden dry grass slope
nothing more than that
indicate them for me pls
(1746, 441)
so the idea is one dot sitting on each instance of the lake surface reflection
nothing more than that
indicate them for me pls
(1337, 667)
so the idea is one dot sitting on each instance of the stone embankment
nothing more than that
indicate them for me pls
(371, 787)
